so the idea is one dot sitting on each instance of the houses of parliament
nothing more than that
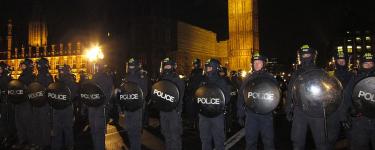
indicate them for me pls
(179, 40)
(70, 54)
(13, 52)
(156, 37)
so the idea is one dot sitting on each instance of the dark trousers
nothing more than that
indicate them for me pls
(22, 114)
(363, 133)
(133, 122)
(171, 128)
(212, 129)
(97, 121)
(41, 125)
(259, 124)
(333, 129)
(62, 128)
(301, 122)
(7, 122)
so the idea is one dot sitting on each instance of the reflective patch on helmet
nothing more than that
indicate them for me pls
(166, 59)
(256, 56)
(131, 60)
(340, 54)
(305, 47)
(208, 61)
(368, 56)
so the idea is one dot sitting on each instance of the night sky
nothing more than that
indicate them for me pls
(284, 25)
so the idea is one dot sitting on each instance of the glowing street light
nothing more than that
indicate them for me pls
(243, 74)
(94, 53)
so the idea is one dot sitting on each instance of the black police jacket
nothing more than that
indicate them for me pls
(220, 83)
(141, 79)
(27, 77)
(44, 78)
(69, 81)
(195, 79)
(173, 77)
(105, 82)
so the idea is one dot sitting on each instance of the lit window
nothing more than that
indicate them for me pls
(359, 47)
(349, 40)
(339, 48)
(368, 38)
(358, 38)
(368, 47)
(350, 49)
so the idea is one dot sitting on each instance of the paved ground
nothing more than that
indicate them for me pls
(153, 140)
(116, 137)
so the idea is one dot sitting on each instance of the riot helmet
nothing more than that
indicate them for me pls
(42, 64)
(367, 61)
(168, 66)
(307, 55)
(340, 59)
(5, 69)
(212, 67)
(259, 61)
(27, 65)
(64, 69)
(197, 63)
(133, 65)
(223, 72)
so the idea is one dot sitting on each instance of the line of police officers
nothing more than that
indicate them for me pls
(206, 97)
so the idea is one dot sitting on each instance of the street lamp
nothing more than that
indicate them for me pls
(243, 74)
(94, 54)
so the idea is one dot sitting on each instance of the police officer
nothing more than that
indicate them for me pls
(63, 119)
(223, 73)
(212, 128)
(255, 123)
(98, 115)
(133, 119)
(171, 123)
(82, 76)
(41, 134)
(7, 127)
(363, 128)
(341, 68)
(301, 121)
(113, 114)
(339, 118)
(196, 77)
(80, 113)
(231, 107)
(236, 79)
(23, 110)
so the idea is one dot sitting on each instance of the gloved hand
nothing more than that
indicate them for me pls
(346, 124)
